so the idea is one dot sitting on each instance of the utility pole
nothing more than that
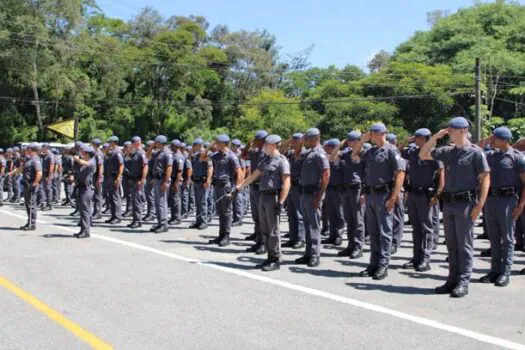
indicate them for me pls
(477, 124)
(75, 132)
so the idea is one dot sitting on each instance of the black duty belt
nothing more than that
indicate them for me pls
(352, 186)
(378, 189)
(427, 190)
(269, 192)
(509, 191)
(295, 182)
(200, 179)
(457, 197)
(339, 188)
(309, 189)
(255, 186)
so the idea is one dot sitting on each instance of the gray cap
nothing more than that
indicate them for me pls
(150, 143)
(78, 144)
(175, 143)
(113, 139)
(297, 136)
(333, 143)
(10, 150)
(379, 128)
(198, 141)
(88, 148)
(261, 134)
(206, 144)
(391, 137)
(161, 139)
(312, 132)
(136, 139)
(273, 139)
(96, 142)
(502, 133)
(127, 144)
(106, 145)
(458, 123)
(223, 138)
(236, 142)
(423, 132)
(33, 146)
(182, 144)
(16, 149)
(45, 145)
(353, 135)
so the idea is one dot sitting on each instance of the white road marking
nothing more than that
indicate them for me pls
(306, 290)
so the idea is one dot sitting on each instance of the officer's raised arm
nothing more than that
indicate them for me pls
(356, 154)
(425, 153)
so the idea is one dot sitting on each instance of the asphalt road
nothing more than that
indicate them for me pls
(135, 290)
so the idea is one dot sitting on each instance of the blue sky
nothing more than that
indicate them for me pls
(343, 31)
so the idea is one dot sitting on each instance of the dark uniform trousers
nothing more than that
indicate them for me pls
(161, 203)
(211, 203)
(2, 189)
(379, 223)
(223, 208)
(334, 211)
(115, 198)
(16, 187)
(137, 200)
(201, 202)
(399, 220)
(150, 196)
(9, 184)
(421, 215)
(354, 212)
(97, 199)
(238, 207)
(68, 191)
(191, 197)
(435, 224)
(174, 202)
(47, 194)
(459, 234)
(269, 224)
(30, 195)
(85, 207)
(312, 225)
(254, 205)
(56, 188)
(126, 184)
(106, 193)
(185, 199)
(500, 228)
(295, 217)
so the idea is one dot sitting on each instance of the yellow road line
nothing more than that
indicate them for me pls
(87, 337)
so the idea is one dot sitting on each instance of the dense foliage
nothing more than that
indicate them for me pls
(175, 75)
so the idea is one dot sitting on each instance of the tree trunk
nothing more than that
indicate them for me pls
(34, 86)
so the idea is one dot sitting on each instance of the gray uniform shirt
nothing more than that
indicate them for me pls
(138, 162)
(224, 165)
(115, 160)
(505, 168)
(272, 169)
(178, 163)
(315, 162)
(86, 173)
(48, 161)
(462, 166)
(381, 164)
(163, 159)
(31, 167)
(200, 167)
(421, 173)
(99, 160)
(353, 172)
(296, 164)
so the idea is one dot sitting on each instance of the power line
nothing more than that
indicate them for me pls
(11, 99)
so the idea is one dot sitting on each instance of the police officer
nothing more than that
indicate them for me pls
(293, 203)
(425, 183)
(399, 209)
(16, 180)
(2, 175)
(57, 176)
(225, 171)
(315, 175)
(136, 181)
(67, 170)
(238, 202)
(202, 177)
(353, 203)
(48, 169)
(115, 172)
(32, 174)
(98, 179)
(274, 175)
(466, 169)
(384, 176)
(176, 183)
(191, 192)
(149, 188)
(9, 168)
(187, 171)
(253, 152)
(106, 184)
(84, 185)
(334, 192)
(162, 169)
(126, 150)
(507, 177)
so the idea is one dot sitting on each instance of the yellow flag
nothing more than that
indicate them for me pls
(66, 128)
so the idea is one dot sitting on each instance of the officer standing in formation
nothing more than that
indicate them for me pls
(176, 183)
(274, 175)
(3, 164)
(115, 172)
(384, 176)
(48, 169)
(425, 184)
(202, 177)
(84, 185)
(226, 170)
(502, 210)
(466, 171)
(315, 175)
(137, 180)
(149, 189)
(98, 180)
(162, 169)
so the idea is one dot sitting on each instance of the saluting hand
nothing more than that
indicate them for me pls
(441, 133)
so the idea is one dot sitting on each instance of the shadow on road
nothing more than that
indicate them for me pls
(392, 289)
